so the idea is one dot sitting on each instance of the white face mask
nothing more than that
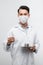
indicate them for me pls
(23, 19)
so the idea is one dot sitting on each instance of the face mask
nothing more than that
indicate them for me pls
(23, 19)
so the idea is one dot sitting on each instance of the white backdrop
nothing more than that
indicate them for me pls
(8, 18)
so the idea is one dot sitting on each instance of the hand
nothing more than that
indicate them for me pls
(10, 40)
(32, 49)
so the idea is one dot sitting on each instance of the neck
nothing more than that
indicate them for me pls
(25, 25)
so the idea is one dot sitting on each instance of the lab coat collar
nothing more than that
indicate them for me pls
(19, 27)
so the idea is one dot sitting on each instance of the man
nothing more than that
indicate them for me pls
(22, 40)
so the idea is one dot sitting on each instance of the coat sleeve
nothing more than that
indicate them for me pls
(8, 47)
(36, 42)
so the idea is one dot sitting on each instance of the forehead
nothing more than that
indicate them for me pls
(23, 11)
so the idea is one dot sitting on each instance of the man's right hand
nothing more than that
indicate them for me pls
(10, 40)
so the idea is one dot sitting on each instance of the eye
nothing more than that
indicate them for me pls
(21, 14)
(25, 14)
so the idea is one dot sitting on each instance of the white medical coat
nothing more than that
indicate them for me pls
(20, 56)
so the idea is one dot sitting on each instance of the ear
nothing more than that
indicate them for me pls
(28, 15)
(18, 14)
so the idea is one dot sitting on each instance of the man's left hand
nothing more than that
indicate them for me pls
(32, 49)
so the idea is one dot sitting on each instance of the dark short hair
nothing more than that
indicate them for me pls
(24, 7)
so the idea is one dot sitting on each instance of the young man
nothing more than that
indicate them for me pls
(22, 40)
